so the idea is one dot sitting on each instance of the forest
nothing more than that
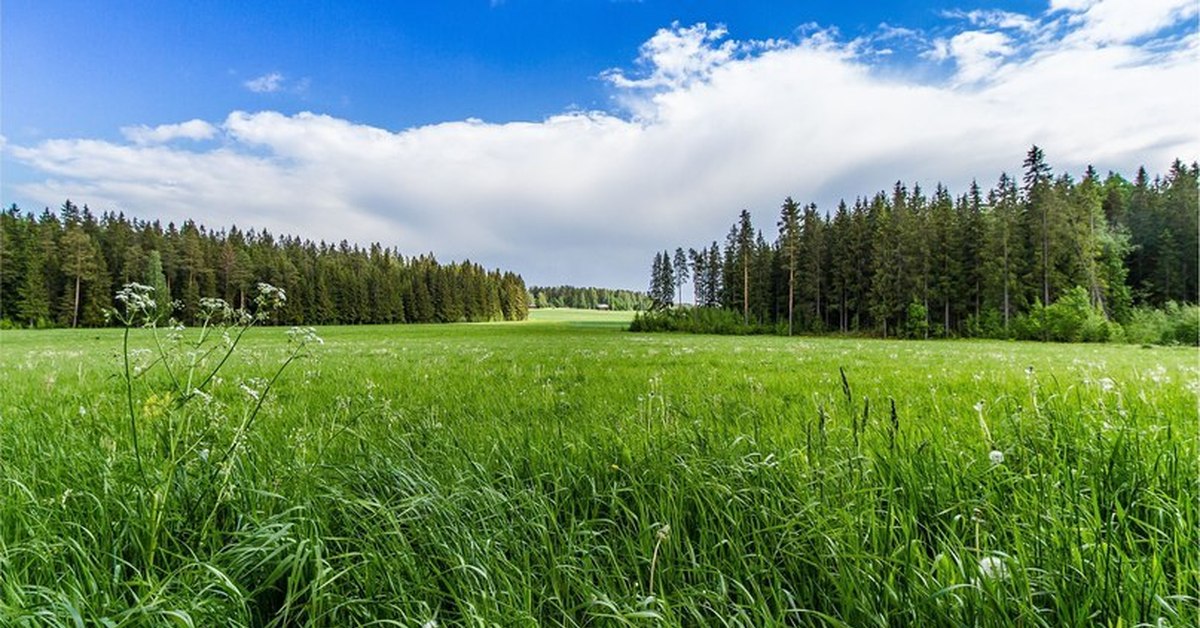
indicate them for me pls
(1044, 257)
(588, 298)
(62, 269)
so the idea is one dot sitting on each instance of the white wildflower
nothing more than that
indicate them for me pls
(304, 336)
(268, 299)
(1106, 384)
(215, 309)
(250, 391)
(993, 567)
(136, 299)
(997, 457)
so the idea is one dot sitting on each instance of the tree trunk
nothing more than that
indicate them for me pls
(791, 296)
(746, 292)
(1005, 279)
(75, 313)
(1045, 256)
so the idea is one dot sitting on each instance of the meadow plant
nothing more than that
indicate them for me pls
(185, 435)
(524, 474)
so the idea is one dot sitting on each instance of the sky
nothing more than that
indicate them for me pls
(569, 140)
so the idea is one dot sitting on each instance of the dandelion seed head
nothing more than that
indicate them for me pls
(993, 567)
(996, 456)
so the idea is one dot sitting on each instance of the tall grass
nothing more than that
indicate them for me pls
(543, 474)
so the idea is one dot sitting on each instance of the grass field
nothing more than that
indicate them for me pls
(564, 472)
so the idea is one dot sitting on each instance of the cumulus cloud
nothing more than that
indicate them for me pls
(705, 125)
(191, 130)
(265, 84)
(1123, 21)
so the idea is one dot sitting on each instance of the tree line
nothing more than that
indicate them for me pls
(1005, 262)
(62, 269)
(588, 298)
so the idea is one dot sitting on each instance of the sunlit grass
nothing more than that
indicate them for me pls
(542, 473)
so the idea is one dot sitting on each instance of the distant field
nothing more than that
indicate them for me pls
(563, 472)
(573, 315)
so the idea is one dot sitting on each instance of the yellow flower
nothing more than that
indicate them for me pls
(156, 405)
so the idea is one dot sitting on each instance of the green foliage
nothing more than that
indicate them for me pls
(588, 298)
(702, 320)
(1174, 324)
(544, 474)
(61, 271)
(916, 320)
(1005, 264)
(1072, 318)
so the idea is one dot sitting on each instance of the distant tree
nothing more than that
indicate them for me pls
(811, 251)
(79, 265)
(158, 281)
(789, 248)
(680, 271)
(662, 282)
(743, 250)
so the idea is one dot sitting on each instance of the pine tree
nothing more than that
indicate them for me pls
(680, 271)
(789, 248)
(743, 251)
(1005, 249)
(158, 281)
(811, 250)
(79, 265)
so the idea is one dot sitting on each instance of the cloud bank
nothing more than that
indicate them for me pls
(703, 125)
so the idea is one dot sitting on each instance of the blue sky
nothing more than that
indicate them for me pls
(568, 140)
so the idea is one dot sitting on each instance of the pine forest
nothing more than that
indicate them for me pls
(1044, 257)
(63, 270)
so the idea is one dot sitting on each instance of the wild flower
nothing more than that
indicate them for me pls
(250, 391)
(993, 567)
(987, 434)
(215, 310)
(997, 457)
(156, 405)
(304, 336)
(268, 299)
(136, 302)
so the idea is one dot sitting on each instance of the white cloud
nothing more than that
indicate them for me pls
(676, 57)
(191, 130)
(1123, 21)
(996, 19)
(977, 54)
(718, 125)
(265, 84)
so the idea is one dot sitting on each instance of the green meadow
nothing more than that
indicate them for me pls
(564, 472)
